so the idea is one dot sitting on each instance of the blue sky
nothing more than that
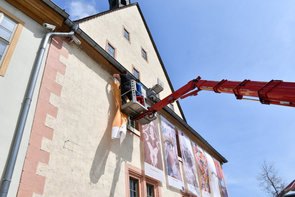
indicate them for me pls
(234, 40)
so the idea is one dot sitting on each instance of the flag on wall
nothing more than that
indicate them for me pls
(189, 164)
(171, 156)
(202, 166)
(152, 151)
(119, 126)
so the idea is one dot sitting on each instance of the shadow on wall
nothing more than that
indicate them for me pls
(123, 152)
(106, 145)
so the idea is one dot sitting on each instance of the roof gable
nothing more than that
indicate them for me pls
(90, 23)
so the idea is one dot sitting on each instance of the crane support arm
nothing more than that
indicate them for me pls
(274, 92)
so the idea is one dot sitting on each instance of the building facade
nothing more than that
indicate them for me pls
(68, 147)
(20, 38)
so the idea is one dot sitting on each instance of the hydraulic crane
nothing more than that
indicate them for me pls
(274, 92)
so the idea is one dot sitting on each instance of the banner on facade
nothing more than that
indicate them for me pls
(202, 166)
(221, 181)
(119, 126)
(189, 164)
(214, 183)
(171, 156)
(152, 151)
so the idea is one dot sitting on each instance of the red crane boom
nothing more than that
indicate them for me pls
(274, 92)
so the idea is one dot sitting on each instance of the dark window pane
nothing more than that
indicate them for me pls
(178, 145)
(111, 50)
(126, 34)
(136, 73)
(149, 190)
(143, 53)
(133, 187)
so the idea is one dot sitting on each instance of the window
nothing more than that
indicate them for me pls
(133, 183)
(111, 50)
(133, 126)
(10, 28)
(144, 54)
(150, 190)
(126, 34)
(123, 2)
(135, 73)
(140, 185)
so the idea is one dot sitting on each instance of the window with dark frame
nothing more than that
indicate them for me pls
(150, 191)
(133, 183)
(126, 34)
(111, 50)
(135, 73)
(144, 54)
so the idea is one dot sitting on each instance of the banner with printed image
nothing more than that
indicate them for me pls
(221, 181)
(214, 182)
(171, 156)
(152, 151)
(189, 164)
(202, 166)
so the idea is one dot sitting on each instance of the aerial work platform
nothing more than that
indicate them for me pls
(135, 102)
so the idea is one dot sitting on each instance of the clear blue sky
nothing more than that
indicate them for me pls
(235, 40)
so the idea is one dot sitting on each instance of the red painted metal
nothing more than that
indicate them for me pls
(274, 92)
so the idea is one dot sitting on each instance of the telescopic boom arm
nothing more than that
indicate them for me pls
(274, 92)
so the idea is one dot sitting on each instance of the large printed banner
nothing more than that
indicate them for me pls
(214, 182)
(202, 166)
(220, 176)
(189, 164)
(152, 151)
(171, 157)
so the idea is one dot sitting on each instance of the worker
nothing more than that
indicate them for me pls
(139, 96)
(125, 81)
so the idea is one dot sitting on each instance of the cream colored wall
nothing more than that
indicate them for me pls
(12, 88)
(109, 28)
(84, 161)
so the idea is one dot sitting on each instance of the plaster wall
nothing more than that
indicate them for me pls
(110, 27)
(84, 160)
(12, 87)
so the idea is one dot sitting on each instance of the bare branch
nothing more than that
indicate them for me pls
(269, 180)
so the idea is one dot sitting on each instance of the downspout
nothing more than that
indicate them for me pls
(21, 122)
